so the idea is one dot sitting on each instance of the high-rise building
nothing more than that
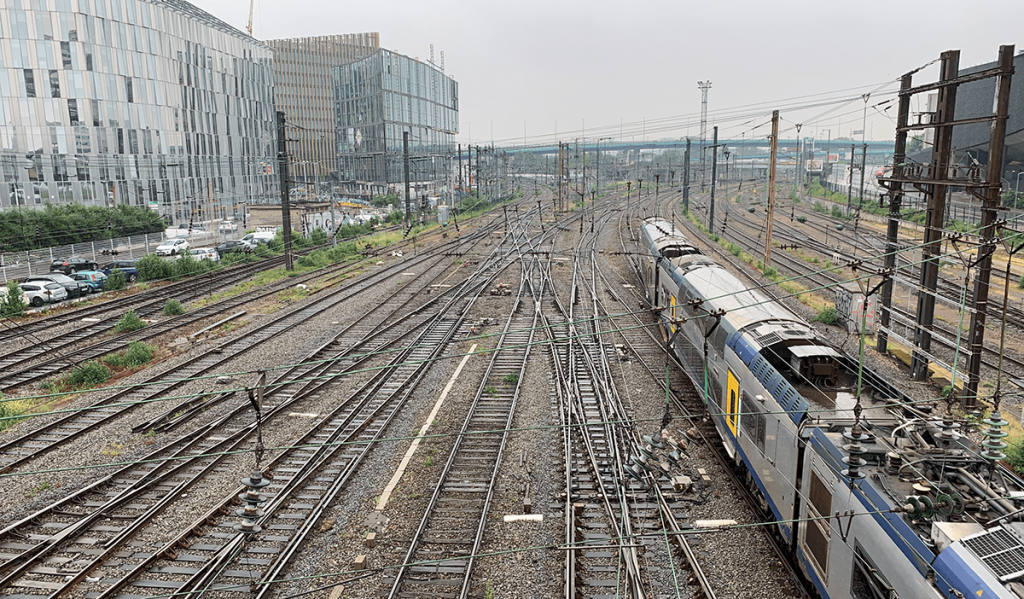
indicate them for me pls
(302, 75)
(144, 102)
(379, 98)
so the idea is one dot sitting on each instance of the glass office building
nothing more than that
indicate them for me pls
(376, 100)
(148, 103)
(301, 68)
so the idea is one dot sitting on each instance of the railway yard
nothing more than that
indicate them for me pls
(483, 412)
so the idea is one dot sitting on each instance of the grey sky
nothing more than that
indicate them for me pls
(557, 64)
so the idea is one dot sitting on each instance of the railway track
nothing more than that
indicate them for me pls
(23, 571)
(30, 445)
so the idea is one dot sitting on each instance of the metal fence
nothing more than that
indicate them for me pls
(18, 265)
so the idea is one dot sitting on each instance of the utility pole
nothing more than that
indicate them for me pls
(714, 173)
(774, 153)
(989, 240)
(930, 250)
(849, 188)
(895, 200)
(286, 211)
(405, 161)
(704, 86)
(863, 166)
(686, 177)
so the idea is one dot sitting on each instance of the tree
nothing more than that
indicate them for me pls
(13, 302)
(915, 144)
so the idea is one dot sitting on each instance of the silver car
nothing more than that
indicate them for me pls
(205, 254)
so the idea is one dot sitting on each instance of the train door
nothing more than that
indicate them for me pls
(732, 408)
(672, 313)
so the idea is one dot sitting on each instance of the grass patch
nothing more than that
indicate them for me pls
(12, 412)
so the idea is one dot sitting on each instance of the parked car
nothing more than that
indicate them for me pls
(71, 265)
(38, 293)
(228, 226)
(73, 287)
(205, 254)
(258, 237)
(92, 278)
(126, 266)
(172, 247)
(233, 246)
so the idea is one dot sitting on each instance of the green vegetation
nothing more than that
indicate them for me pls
(11, 412)
(129, 322)
(828, 315)
(37, 490)
(511, 378)
(137, 354)
(90, 374)
(173, 307)
(115, 280)
(154, 268)
(13, 302)
(72, 223)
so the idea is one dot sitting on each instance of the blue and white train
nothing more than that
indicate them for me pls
(921, 513)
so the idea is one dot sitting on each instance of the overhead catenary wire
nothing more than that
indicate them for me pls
(484, 336)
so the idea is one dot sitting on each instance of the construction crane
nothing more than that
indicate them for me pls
(248, 28)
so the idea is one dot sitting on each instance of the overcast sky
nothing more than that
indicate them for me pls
(609, 69)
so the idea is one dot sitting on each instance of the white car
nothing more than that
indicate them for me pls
(228, 226)
(171, 247)
(205, 253)
(38, 293)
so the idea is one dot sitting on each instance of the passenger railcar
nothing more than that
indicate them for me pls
(905, 504)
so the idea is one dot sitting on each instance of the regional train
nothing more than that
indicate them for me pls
(877, 497)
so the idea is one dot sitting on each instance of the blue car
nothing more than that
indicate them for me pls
(125, 266)
(93, 278)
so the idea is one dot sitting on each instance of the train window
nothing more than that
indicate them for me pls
(716, 389)
(753, 420)
(718, 339)
(868, 582)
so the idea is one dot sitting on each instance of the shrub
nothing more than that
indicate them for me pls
(173, 307)
(116, 280)
(828, 316)
(129, 322)
(318, 237)
(187, 266)
(154, 268)
(90, 374)
(137, 354)
(13, 303)
(264, 250)
(231, 258)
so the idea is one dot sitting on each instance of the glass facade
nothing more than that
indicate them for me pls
(377, 99)
(301, 66)
(155, 103)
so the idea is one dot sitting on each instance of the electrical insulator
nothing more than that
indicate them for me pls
(250, 512)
